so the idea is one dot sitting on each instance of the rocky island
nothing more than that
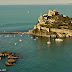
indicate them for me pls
(53, 24)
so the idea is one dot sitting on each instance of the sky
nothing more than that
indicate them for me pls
(34, 2)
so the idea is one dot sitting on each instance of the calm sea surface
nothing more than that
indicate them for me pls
(37, 55)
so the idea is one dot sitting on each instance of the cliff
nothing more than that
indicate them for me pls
(53, 24)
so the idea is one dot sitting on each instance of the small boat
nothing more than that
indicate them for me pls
(5, 36)
(49, 42)
(14, 35)
(20, 40)
(34, 39)
(28, 12)
(21, 35)
(31, 37)
(4, 30)
(58, 39)
(15, 43)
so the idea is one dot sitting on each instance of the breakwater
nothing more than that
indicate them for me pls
(15, 33)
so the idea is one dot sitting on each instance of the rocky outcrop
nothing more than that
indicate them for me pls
(53, 24)
(11, 60)
(11, 57)
(8, 64)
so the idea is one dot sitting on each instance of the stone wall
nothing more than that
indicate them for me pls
(66, 31)
(44, 28)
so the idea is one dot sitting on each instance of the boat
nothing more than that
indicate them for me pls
(34, 39)
(58, 39)
(15, 43)
(48, 42)
(28, 12)
(14, 35)
(20, 40)
(31, 37)
(21, 35)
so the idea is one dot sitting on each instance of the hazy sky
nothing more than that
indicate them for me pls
(26, 2)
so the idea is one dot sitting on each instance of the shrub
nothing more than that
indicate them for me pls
(35, 30)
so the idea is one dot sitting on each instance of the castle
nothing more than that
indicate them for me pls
(43, 18)
(46, 20)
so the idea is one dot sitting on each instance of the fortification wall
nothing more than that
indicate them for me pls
(44, 28)
(61, 30)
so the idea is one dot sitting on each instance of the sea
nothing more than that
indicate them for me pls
(37, 55)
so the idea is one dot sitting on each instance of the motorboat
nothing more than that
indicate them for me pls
(58, 39)
(20, 40)
(34, 39)
(48, 42)
(31, 37)
(15, 43)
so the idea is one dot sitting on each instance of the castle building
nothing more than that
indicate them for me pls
(40, 18)
(53, 12)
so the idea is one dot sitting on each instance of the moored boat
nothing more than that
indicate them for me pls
(58, 39)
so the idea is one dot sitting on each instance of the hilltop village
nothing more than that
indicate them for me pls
(53, 24)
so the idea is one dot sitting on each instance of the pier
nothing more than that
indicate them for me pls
(15, 33)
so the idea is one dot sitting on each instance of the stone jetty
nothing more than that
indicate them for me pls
(15, 33)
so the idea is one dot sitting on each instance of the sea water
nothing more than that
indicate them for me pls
(37, 55)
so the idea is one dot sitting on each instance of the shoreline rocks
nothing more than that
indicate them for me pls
(11, 60)
(10, 56)
(13, 57)
(8, 64)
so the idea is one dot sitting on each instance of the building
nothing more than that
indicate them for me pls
(53, 12)
(40, 18)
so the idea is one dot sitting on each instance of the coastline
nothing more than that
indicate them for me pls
(39, 35)
(14, 33)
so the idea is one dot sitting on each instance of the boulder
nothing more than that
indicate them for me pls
(13, 57)
(1, 54)
(5, 53)
(11, 60)
(8, 64)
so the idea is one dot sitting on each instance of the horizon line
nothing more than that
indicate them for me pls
(41, 4)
